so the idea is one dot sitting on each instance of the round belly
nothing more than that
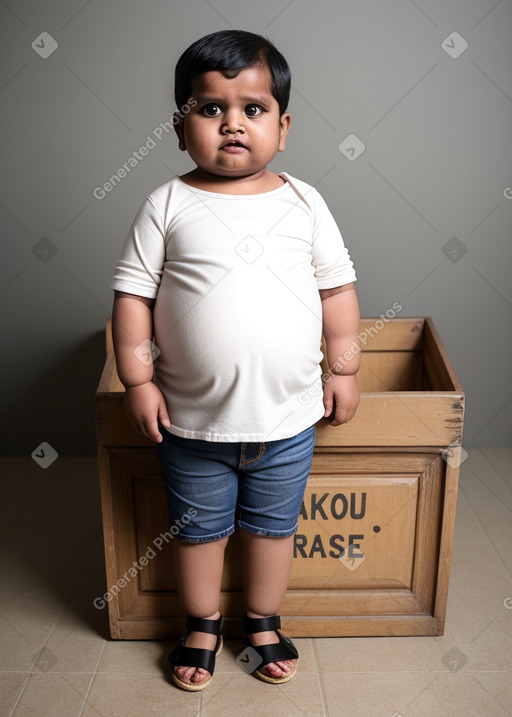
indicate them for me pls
(251, 324)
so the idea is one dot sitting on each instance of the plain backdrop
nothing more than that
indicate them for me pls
(423, 88)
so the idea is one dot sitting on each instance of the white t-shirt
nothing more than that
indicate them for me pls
(238, 316)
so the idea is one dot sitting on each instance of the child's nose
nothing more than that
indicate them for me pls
(233, 122)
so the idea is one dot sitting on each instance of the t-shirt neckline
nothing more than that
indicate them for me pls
(224, 195)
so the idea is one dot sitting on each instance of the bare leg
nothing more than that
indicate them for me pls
(199, 573)
(267, 566)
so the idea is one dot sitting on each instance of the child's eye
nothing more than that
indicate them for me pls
(211, 110)
(253, 110)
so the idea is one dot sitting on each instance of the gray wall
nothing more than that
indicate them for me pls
(425, 209)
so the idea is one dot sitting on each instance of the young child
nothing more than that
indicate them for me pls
(234, 272)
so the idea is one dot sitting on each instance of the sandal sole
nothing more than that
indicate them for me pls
(276, 680)
(190, 686)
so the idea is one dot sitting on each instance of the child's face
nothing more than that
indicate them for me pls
(241, 110)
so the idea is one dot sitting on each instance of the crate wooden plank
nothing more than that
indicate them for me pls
(297, 604)
(311, 626)
(446, 541)
(420, 418)
(428, 529)
(438, 367)
(110, 537)
(383, 419)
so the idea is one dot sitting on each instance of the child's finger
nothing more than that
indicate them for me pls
(330, 407)
(164, 416)
(155, 434)
(328, 403)
(340, 418)
(149, 429)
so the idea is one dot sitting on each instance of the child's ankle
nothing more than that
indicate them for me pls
(215, 616)
(257, 615)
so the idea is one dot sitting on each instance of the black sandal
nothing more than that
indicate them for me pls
(183, 656)
(283, 650)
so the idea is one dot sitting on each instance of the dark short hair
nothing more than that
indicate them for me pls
(230, 51)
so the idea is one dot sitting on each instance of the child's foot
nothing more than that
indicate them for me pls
(203, 641)
(273, 669)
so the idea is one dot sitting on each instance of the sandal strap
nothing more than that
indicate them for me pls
(192, 657)
(199, 624)
(260, 624)
(284, 650)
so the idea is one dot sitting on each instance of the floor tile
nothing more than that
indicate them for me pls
(19, 651)
(410, 694)
(150, 695)
(243, 694)
(53, 695)
(501, 459)
(142, 656)
(72, 647)
(488, 490)
(12, 685)
(499, 687)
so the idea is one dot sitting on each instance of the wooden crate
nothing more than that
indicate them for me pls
(373, 548)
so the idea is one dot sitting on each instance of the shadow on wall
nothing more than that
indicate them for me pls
(63, 418)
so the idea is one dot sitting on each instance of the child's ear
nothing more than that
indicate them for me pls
(178, 121)
(285, 122)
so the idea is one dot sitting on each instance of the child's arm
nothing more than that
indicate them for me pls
(132, 323)
(341, 326)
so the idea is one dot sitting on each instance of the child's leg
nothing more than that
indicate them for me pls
(198, 569)
(267, 566)
(201, 482)
(275, 475)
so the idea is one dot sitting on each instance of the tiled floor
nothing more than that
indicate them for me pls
(56, 661)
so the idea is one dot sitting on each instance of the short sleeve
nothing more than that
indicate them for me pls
(331, 260)
(140, 266)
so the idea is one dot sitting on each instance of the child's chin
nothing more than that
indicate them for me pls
(235, 172)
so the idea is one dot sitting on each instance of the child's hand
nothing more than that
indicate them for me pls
(144, 405)
(344, 390)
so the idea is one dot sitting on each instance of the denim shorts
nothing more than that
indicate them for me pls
(210, 486)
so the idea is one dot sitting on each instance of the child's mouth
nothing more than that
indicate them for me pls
(234, 147)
